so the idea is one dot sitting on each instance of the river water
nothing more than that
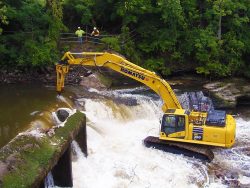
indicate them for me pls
(117, 122)
(24, 106)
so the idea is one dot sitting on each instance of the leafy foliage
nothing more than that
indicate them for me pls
(112, 43)
(3, 18)
(77, 12)
(210, 36)
(158, 66)
(128, 45)
(32, 34)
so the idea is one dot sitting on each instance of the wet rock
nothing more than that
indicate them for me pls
(228, 177)
(229, 91)
(62, 115)
(12, 160)
(30, 146)
(51, 132)
(218, 173)
(175, 82)
(3, 170)
(246, 89)
(231, 177)
(126, 101)
(92, 81)
(86, 74)
(26, 75)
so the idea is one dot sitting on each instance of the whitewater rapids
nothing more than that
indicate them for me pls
(118, 159)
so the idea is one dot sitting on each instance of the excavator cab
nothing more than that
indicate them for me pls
(174, 124)
(213, 128)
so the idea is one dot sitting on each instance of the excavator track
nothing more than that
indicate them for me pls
(190, 150)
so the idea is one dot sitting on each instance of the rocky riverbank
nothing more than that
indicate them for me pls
(230, 91)
(46, 75)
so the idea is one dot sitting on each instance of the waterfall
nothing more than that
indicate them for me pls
(116, 127)
(49, 181)
(117, 157)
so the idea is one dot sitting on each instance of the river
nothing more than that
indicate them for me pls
(24, 106)
(118, 121)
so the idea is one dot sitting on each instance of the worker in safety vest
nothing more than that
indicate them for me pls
(79, 32)
(96, 34)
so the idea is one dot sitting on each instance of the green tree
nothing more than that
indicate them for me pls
(128, 45)
(220, 46)
(78, 12)
(211, 37)
(34, 28)
(3, 18)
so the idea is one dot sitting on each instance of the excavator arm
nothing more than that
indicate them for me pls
(121, 65)
(181, 131)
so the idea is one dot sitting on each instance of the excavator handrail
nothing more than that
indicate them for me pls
(121, 65)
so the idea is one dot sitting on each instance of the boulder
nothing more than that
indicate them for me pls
(92, 81)
(229, 91)
(62, 114)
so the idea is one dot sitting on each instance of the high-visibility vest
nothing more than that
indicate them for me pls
(79, 32)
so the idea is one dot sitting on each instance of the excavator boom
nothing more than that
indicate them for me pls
(123, 66)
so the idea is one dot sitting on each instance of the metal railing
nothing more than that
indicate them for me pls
(87, 37)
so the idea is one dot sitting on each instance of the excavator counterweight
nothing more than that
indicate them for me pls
(181, 129)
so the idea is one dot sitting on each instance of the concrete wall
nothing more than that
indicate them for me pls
(27, 159)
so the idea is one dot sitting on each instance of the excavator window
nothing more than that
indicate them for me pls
(173, 123)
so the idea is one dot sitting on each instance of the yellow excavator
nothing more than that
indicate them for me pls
(182, 131)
